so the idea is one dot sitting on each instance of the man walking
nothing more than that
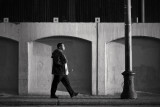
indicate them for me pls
(60, 71)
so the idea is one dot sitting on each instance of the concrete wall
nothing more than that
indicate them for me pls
(35, 31)
(146, 60)
(106, 64)
(146, 64)
(40, 63)
(9, 46)
(9, 30)
(8, 66)
(113, 65)
(115, 61)
(77, 52)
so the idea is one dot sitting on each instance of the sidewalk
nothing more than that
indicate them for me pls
(143, 99)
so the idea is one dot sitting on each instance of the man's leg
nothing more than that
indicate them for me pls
(66, 83)
(55, 82)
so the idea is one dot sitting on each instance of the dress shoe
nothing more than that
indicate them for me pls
(74, 94)
(54, 96)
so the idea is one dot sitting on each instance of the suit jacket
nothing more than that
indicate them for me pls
(59, 61)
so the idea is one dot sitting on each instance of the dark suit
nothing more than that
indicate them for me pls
(59, 60)
(58, 69)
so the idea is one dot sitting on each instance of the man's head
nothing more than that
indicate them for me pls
(61, 46)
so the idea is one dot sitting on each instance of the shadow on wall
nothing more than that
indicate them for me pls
(8, 66)
(78, 53)
(146, 63)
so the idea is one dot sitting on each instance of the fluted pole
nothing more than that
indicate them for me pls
(128, 88)
(143, 10)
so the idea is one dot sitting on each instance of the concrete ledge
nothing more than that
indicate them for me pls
(79, 100)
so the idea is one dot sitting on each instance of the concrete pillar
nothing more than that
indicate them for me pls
(23, 68)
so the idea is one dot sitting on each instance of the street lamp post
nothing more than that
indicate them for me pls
(143, 10)
(128, 88)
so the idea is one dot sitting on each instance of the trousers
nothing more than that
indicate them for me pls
(65, 81)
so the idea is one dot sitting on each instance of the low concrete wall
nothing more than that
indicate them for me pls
(103, 51)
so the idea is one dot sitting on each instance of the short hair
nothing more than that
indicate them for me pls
(59, 44)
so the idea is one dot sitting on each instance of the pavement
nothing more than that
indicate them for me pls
(143, 99)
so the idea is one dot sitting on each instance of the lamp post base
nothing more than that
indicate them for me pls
(128, 88)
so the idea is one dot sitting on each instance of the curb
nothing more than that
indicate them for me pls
(77, 101)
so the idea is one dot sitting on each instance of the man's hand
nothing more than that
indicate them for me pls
(71, 70)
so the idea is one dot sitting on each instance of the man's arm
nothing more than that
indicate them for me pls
(63, 59)
(59, 58)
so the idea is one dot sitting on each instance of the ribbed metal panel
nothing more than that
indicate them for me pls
(152, 10)
(84, 10)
